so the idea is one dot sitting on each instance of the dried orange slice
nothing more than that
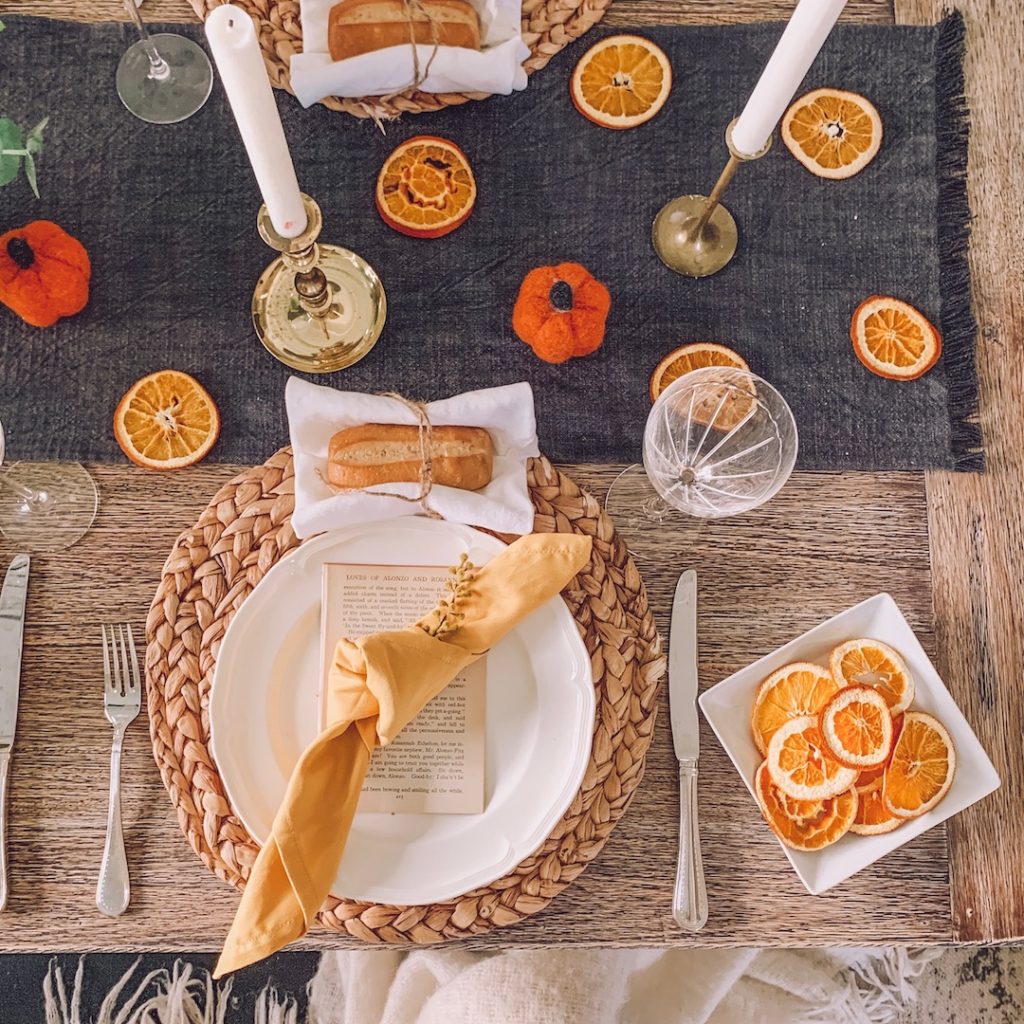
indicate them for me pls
(621, 82)
(869, 776)
(922, 766)
(893, 339)
(872, 663)
(166, 421)
(873, 817)
(789, 692)
(856, 726)
(834, 134)
(795, 810)
(426, 187)
(801, 765)
(692, 357)
(804, 824)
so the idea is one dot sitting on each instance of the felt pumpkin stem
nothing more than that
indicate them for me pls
(561, 296)
(21, 252)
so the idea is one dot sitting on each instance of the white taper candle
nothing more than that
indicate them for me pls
(236, 51)
(803, 38)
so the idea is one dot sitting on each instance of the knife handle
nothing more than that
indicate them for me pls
(690, 899)
(5, 760)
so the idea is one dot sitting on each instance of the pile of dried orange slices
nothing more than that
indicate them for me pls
(842, 750)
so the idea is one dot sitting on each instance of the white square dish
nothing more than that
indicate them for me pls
(727, 708)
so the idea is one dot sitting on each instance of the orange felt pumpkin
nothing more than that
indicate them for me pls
(44, 273)
(554, 334)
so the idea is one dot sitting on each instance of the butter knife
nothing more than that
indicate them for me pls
(12, 627)
(689, 901)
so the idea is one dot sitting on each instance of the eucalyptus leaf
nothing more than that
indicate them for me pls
(10, 138)
(34, 139)
(30, 173)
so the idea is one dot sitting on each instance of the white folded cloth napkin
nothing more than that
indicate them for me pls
(497, 67)
(316, 413)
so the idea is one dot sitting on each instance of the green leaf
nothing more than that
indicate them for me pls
(2, 26)
(10, 138)
(34, 139)
(30, 173)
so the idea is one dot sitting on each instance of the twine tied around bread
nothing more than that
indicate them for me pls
(415, 10)
(426, 440)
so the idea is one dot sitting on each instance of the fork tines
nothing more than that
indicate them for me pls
(123, 684)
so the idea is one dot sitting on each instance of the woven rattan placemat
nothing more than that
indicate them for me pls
(213, 568)
(548, 26)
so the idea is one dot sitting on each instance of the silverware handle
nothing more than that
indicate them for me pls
(113, 890)
(5, 761)
(690, 899)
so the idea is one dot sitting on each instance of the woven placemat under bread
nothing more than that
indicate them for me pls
(548, 26)
(213, 568)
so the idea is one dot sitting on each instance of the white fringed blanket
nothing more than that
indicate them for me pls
(450, 986)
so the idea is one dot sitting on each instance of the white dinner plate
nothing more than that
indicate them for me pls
(540, 710)
(727, 707)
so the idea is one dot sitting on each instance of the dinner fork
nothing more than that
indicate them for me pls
(122, 697)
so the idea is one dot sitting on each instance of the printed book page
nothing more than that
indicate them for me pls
(436, 764)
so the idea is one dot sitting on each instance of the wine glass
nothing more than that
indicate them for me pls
(163, 78)
(45, 506)
(719, 441)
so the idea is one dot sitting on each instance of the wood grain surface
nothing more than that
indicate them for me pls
(825, 542)
(764, 578)
(623, 12)
(977, 542)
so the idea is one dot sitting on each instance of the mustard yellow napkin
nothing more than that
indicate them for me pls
(377, 685)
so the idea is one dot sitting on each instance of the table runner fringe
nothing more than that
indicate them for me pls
(953, 212)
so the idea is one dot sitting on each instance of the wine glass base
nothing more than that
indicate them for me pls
(61, 514)
(316, 344)
(641, 516)
(174, 98)
(685, 251)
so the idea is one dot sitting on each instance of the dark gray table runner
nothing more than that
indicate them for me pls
(168, 215)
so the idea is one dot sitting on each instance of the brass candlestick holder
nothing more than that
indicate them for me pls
(317, 308)
(696, 235)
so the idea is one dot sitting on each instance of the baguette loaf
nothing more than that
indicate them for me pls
(389, 453)
(361, 26)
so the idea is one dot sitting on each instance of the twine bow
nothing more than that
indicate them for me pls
(415, 11)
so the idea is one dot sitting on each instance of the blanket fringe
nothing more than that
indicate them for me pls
(182, 995)
(958, 325)
(874, 990)
(273, 1008)
(878, 989)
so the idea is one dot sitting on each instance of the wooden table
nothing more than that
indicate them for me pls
(948, 547)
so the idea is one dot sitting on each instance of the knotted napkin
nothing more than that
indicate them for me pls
(377, 685)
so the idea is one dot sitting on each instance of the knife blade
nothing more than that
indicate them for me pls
(682, 669)
(13, 597)
(689, 898)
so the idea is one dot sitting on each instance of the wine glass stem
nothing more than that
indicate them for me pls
(158, 67)
(26, 494)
